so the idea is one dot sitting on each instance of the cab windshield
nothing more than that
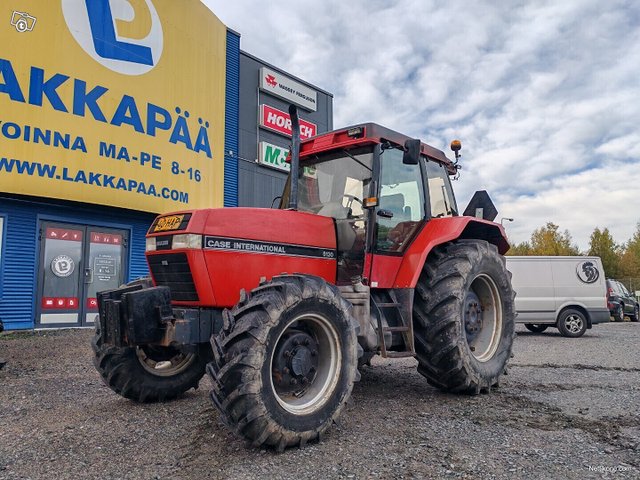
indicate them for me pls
(334, 184)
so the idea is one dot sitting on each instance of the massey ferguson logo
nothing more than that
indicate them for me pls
(288, 89)
(271, 80)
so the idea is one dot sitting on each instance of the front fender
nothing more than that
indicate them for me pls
(438, 231)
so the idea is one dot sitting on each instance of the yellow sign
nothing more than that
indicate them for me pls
(171, 222)
(113, 102)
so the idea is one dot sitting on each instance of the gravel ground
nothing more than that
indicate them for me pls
(569, 408)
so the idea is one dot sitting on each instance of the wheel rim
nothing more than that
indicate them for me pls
(482, 318)
(573, 323)
(164, 362)
(305, 364)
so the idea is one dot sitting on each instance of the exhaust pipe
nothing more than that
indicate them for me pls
(295, 156)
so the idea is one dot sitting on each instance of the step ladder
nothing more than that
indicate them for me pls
(405, 327)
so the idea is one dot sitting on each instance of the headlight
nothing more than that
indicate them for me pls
(186, 240)
(150, 244)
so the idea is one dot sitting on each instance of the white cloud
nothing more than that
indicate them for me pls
(543, 95)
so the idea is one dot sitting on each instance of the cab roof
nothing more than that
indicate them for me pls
(364, 134)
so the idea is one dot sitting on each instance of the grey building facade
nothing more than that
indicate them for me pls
(265, 95)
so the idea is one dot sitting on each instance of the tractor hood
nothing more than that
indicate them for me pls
(221, 251)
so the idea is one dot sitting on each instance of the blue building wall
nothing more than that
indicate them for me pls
(232, 108)
(20, 251)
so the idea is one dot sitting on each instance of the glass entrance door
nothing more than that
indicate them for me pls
(104, 266)
(76, 261)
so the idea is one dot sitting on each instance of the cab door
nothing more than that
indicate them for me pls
(398, 217)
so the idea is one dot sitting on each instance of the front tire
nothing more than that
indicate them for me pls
(572, 323)
(285, 362)
(536, 327)
(464, 317)
(636, 314)
(148, 373)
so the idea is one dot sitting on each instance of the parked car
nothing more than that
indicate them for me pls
(568, 293)
(621, 303)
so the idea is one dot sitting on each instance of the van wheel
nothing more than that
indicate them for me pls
(536, 327)
(572, 323)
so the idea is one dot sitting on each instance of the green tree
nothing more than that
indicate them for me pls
(523, 248)
(548, 240)
(601, 244)
(630, 257)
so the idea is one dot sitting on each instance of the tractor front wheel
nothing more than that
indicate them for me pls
(464, 317)
(149, 373)
(285, 362)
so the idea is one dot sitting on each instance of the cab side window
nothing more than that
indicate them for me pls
(440, 196)
(402, 198)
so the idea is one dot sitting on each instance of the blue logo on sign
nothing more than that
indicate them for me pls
(104, 36)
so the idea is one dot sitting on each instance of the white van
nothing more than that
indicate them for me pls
(568, 293)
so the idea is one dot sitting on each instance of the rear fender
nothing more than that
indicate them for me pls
(438, 231)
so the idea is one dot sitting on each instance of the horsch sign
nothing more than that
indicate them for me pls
(280, 122)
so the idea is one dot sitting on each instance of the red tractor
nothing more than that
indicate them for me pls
(367, 255)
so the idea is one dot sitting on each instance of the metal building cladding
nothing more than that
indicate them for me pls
(111, 112)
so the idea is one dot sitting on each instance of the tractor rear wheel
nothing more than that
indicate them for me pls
(464, 317)
(285, 361)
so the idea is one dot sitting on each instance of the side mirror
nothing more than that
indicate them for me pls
(411, 154)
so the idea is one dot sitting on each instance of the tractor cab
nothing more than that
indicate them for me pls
(378, 192)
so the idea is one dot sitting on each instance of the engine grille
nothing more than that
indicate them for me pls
(172, 270)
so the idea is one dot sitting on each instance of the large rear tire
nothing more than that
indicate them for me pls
(464, 317)
(149, 374)
(285, 361)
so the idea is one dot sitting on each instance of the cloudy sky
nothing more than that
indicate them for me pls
(544, 95)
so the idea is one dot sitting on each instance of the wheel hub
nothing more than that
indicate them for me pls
(295, 363)
(472, 316)
(574, 324)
